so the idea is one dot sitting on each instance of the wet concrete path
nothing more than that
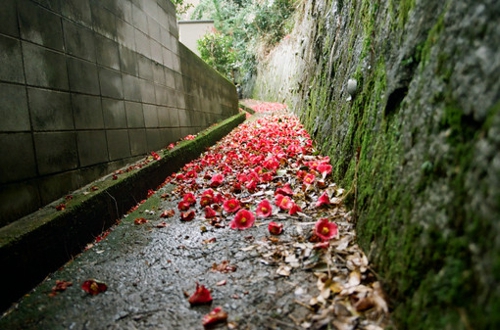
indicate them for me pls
(152, 261)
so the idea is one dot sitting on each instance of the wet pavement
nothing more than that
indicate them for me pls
(152, 260)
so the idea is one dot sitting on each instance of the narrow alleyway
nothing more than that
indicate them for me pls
(257, 220)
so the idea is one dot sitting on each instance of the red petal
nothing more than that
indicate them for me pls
(217, 315)
(201, 296)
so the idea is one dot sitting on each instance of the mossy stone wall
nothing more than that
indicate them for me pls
(418, 145)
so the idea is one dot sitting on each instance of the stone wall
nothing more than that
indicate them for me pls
(418, 146)
(87, 86)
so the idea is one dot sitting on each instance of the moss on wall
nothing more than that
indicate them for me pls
(417, 147)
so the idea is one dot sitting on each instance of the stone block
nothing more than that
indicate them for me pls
(168, 58)
(87, 111)
(55, 152)
(184, 118)
(83, 76)
(142, 45)
(17, 200)
(50, 110)
(107, 53)
(147, 91)
(118, 144)
(154, 29)
(11, 59)
(13, 108)
(126, 34)
(139, 19)
(52, 5)
(40, 26)
(145, 67)
(138, 141)
(18, 157)
(156, 51)
(150, 115)
(169, 78)
(111, 83)
(135, 115)
(114, 113)
(159, 74)
(8, 18)
(55, 186)
(154, 139)
(151, 9)
(79, 41)
(44, 68)
(103, 21)
(163, 117)
(131, 88)
(161, 93)
(92, 147)
(77, 11)
(128, 60)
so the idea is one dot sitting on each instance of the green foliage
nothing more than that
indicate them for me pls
(248, 29)
(181, 7)
(216, 50)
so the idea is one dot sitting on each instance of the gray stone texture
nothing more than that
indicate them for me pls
(44, 68)
(86, 85)
(11, 59)
(56, 152)
(92, 147)
(79, 41)
(13, 108)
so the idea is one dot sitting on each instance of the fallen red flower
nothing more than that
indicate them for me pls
(187, 216)
(216, 316)
(294, 209)
(200, 296)
(264, 209)
(155, 155)
(231, 205)
(183, 206)
(323, 200)
(216, 180)
(275, 228)
(61, 207)
(244, 219)
(94, 287)
(325, 230)
(283, 202)
(286, 190)
(189, 198)
(210, 212)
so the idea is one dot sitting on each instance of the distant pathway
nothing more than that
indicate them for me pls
(256, 220)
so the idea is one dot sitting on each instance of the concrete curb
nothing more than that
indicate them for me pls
(40, 243)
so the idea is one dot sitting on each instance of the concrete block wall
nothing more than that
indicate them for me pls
(87, 86)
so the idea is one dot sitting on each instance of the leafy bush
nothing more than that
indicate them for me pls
(247, 29)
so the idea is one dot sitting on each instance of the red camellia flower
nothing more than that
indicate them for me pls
(324, 169)
(187, 216)
(244, 219)
(323, 200)
(251, 185)
(294, 209)
(325, 230)
(286, 190)
(309, 178)
(217, 315)
(231, 205)
(94, 287)
(283, 202)
(210, 212)
(264, 209)
(171, 146)
(183, 205)
(216, 180)
(189, 197)
(155, 155)
(200, 296)
(275, 228)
